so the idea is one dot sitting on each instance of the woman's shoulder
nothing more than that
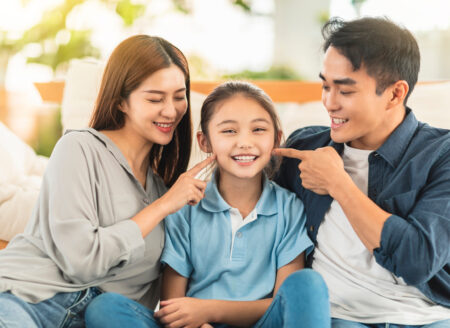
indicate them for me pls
(74, 141)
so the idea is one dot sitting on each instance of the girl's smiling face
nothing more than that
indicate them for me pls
(242, 135)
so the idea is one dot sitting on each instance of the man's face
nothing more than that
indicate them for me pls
(359, 117)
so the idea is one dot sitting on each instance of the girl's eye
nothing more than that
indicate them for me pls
(180, 98)
(154, 101)
(259, 129)
(228, 131)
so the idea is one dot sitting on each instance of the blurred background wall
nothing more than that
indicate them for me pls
(272, 39)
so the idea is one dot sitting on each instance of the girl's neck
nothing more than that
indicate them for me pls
(242, 194)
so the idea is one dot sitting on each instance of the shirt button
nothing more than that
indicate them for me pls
(239, 234)
(146, 201)
(311, 228)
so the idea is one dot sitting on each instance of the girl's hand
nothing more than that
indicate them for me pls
(183, 312)
(188, 189)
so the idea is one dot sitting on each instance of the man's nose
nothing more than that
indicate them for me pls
(330, 101)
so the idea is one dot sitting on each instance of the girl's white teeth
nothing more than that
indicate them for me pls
(164, 125)
(339, 120)
(244, 158)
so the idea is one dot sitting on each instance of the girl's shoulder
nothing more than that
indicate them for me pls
(287, 199)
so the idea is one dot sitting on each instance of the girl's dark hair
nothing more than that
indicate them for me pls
(133, 61)
(231, 89)
(388, 52)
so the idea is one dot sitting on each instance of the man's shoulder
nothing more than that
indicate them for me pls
(309, 137)
(438, 137)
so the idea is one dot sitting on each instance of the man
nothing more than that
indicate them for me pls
(376, 184)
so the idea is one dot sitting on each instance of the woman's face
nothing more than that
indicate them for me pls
(154, 109)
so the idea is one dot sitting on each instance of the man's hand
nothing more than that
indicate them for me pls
(320, 169)
(183, 312)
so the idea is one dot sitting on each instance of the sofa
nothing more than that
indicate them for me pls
(298, 104)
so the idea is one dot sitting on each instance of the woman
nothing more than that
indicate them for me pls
(97, 225)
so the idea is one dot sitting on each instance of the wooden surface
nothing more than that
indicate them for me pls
(279, 91)
(3, 244)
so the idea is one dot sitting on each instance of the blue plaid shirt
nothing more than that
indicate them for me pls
(409, 177)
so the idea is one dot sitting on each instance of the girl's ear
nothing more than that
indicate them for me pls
(203, 142)
(278, 141)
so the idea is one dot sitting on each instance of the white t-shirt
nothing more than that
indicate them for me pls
(360, 289)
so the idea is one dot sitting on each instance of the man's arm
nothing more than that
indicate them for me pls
(322, 171)
(413, 247)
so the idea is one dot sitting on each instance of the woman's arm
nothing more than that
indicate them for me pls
(191, 312)
(186, 190)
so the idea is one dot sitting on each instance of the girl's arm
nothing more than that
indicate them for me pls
(191, 312)
(173, 284)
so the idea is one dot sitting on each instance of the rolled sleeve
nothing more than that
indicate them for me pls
(416, 247)
(295, 239)
(82, 248)
(176, 251)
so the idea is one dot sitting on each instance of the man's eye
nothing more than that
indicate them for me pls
(346, 93)
(259, 129)
(228, 131)
(325, 87)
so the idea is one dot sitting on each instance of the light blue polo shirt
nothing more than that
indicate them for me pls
(199, 244)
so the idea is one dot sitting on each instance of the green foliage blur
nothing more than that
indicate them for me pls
(273, 73)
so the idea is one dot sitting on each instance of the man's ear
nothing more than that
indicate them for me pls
(397, 93)
(203, 142)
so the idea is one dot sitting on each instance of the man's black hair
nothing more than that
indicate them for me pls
(388, 52)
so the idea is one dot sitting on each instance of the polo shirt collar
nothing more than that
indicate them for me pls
(214, 202)
(393, 148)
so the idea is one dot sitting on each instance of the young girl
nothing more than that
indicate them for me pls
(229, 257)
(97, 225)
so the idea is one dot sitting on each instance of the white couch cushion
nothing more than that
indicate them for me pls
(21, 173)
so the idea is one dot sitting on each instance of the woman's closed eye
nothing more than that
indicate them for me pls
(155, 101)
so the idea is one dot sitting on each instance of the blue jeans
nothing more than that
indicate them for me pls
(302, 301)
(340, 323)
(62, 310)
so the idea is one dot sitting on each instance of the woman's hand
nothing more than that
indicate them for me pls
(188, 189)
(183, 312)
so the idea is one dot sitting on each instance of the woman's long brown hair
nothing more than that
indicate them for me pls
(133, 61)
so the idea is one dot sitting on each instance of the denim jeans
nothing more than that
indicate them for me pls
(62, 310)
(302, 301)
(340, 323)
